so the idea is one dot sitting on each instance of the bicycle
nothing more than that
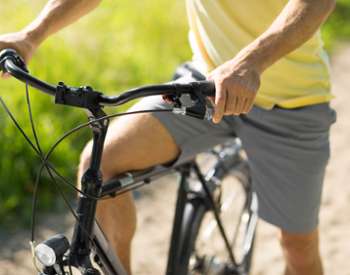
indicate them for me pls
(204, 208)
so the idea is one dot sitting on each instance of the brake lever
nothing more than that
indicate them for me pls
(201, 109)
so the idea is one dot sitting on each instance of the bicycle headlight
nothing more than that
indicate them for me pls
(51, 250)
(45, 255)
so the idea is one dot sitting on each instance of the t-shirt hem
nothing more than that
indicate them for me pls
(294, 103)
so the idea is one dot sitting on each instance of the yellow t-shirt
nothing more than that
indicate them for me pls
(219, 29)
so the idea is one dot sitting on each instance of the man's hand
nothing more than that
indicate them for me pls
(19, 42)
(236, 87)
(56, 15)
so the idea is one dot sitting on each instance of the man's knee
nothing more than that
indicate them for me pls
(300, 249)
(106, 168)
(133, 143)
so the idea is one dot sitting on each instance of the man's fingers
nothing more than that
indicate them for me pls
(230, 106)
(235, 103)
(220, 100)
(239, 106)
(247, 105)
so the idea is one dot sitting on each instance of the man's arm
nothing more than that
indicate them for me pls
(238, 80)
(56, 15)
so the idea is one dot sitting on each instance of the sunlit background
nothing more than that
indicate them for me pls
(121, 44)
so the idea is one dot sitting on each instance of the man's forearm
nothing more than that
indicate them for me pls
(56, 15)
(298, 21)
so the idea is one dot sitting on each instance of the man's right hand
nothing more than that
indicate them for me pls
(20, 42)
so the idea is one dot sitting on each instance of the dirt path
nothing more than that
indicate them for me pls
(156, 208)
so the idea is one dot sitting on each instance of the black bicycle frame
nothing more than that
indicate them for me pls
(87, 234)
(87, 230)
(91, 183)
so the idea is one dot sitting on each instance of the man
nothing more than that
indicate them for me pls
(237, 44)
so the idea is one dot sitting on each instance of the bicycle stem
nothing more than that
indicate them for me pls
(91, 183)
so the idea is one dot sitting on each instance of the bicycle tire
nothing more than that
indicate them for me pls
(194, 214)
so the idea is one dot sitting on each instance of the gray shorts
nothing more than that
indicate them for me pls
(288, 151)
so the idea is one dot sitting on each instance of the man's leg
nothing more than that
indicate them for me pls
(288, 152)
(132, 143)
(301, 252)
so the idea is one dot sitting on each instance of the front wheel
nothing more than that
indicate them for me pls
(202, 250)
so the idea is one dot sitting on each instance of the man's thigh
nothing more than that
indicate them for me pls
(288, 151)
(190, 136)
(137, 142)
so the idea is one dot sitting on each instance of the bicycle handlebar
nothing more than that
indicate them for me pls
(12, 63)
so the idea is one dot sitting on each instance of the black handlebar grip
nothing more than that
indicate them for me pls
(206, 88)
(11, 54)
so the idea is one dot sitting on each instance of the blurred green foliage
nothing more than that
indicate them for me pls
(121, 45)
(337, 27)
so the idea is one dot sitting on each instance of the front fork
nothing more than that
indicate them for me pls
(91, 184)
